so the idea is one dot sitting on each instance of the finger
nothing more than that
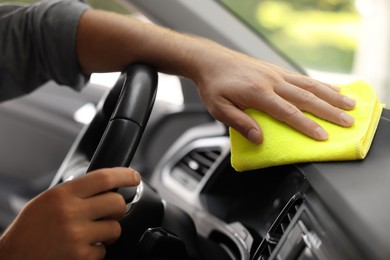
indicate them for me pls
(307, 82)
(298, 77)
(241, 122)
(324, 91)
(98, 251)
(103, 180)
(286, 112)
(307, 101)
(103, 231)
(108, 205)
(85, 251)
(332, 87)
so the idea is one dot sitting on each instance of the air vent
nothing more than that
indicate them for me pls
(194, 165)
(278, 228)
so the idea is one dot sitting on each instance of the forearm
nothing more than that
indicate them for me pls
(109, 42)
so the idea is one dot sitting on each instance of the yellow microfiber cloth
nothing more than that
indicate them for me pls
(285, 145)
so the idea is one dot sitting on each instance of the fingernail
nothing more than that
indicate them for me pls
(349, 101)
(347, 119)
(254, 136)
(321, 133)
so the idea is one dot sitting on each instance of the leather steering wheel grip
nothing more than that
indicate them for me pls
(112, 137)
(129, 115)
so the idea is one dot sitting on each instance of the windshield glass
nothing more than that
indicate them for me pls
(332, 40)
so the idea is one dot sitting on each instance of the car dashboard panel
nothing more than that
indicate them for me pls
(331, 210)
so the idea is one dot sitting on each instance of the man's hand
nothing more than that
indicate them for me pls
(73, 220)
(245, 82)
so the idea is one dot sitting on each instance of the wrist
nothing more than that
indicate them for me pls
(201, 58)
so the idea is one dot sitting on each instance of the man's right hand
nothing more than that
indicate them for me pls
(74, 220)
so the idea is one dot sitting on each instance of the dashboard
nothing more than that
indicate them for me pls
(332, 210)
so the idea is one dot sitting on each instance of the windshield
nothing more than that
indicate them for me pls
(332, 40)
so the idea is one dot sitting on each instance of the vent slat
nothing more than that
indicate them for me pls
(198, 162)
(190, 171)
(213, 155)
(270, 248)
(274, 238)
(290, 215)
(200, 158)
(278, 229)
(207, 158)
(284, 226)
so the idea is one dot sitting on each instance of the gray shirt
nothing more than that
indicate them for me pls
(38, 44)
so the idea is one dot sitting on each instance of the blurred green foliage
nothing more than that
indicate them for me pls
(316, 34)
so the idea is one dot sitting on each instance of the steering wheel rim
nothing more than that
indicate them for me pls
(110, 140)
(112, 137)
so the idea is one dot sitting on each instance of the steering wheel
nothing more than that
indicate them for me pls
(111, 140)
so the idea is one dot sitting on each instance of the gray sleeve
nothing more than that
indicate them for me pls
(38, 44)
